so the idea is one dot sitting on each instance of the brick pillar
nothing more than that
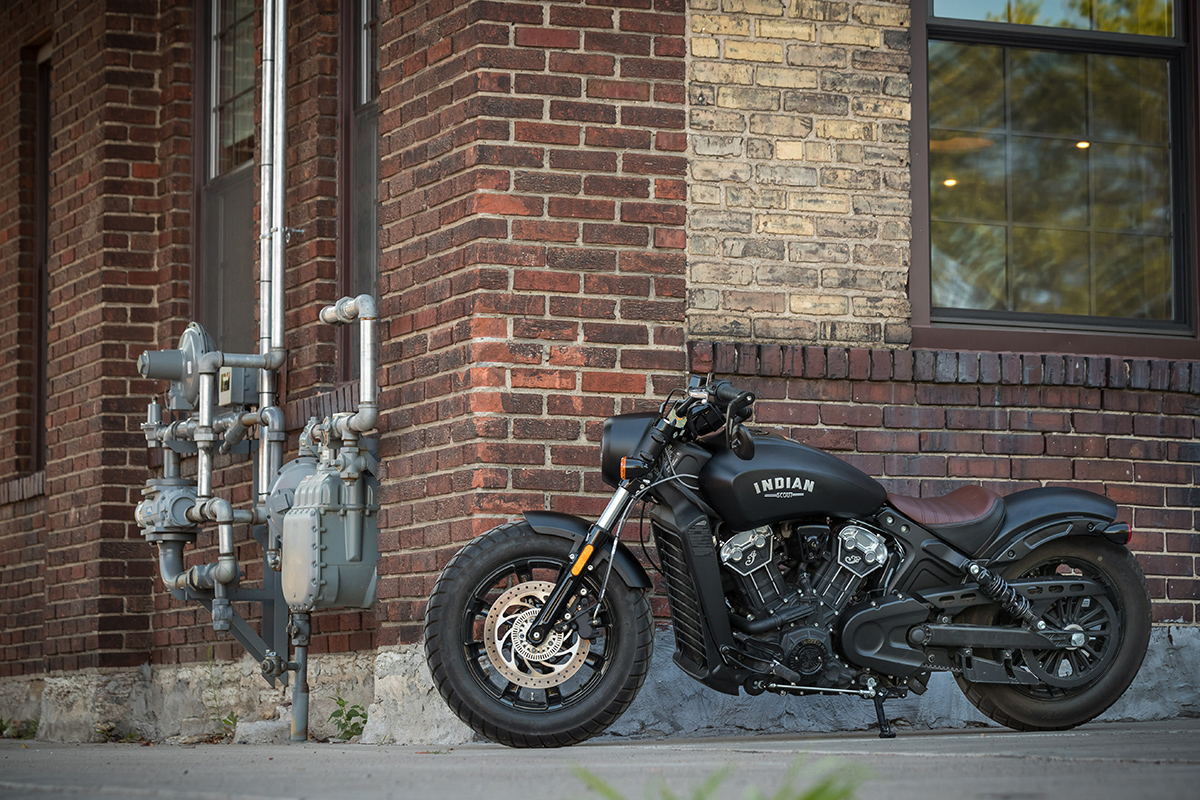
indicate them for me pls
(532, 159)
(103, 232)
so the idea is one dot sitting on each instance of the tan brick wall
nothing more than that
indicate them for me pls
(799, 210)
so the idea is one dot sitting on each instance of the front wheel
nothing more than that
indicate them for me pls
(568, 689)
(1078, 683)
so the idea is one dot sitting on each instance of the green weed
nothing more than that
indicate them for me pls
(348, 719)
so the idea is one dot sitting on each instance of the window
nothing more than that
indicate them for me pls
(358, 177)
(41, 265)
(225, 281)
(1056, 149)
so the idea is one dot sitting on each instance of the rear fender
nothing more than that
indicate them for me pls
(1037, 516)
(567, 526)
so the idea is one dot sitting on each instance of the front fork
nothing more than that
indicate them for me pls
(601, 535)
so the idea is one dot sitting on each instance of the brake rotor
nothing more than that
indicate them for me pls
(505, 637)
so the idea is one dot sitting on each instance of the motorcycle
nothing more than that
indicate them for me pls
(788, 571)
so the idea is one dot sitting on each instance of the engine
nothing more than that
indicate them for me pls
(788, 584)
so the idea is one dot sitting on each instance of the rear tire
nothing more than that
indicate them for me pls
(481, 662)
(1126, 597)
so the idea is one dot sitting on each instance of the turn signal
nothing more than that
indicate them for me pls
(633, 468)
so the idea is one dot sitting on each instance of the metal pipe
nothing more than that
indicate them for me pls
(266, 182)
(204, 435)
(270, 459)
(301, 631)
(279, 177)
(344, 311)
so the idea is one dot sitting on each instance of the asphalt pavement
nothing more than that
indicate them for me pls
(1153, 760)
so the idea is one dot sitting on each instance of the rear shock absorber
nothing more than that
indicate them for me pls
(999, 590)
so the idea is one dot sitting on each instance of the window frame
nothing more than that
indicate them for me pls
(1045, 332)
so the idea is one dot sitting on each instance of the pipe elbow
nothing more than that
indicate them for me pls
(225, 570)
(348, 309)
(272, 420)
(211, 362)
(219, 510)
(365, 306)
(274, 358)
(364, 420)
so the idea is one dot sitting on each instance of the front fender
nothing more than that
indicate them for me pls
(567, 526)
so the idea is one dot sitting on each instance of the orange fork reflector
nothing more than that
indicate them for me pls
(582, 560)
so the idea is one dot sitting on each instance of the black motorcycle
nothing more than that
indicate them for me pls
(787, 571)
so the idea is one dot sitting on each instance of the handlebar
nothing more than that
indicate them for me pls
(725, 392)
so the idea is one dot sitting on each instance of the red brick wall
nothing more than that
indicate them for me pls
(925, 423)
(532, 170)
(103, 226)
(22, 501)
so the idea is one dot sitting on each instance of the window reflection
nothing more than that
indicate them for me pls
(233, 95)
(1050, 182)
(1144, 17)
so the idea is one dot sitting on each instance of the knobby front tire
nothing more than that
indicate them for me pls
(566, 692)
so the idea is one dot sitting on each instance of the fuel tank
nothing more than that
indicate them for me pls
(786, 480)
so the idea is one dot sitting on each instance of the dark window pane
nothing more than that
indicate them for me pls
(232, 94)
(1072, 172)
(966, 176)
(966, 86)
(1130, 99)
(1048, 92)
(1050, 271)
(1133, 276)
(364, 226)
(968, 264)
(1133, 187)
(367, 74)
(228, 306)
(1049, 181)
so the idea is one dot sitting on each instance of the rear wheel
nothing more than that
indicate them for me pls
(1078, 683)
(569, 688)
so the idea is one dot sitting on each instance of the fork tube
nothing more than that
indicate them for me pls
(597, 539)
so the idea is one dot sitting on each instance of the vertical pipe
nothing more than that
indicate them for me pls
(266, 182)
(170, 463)
(279, 145)
(300, 636)
(204, 435)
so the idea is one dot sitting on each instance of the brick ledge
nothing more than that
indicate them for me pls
(943, 366)
(343, 398)
(23, 488)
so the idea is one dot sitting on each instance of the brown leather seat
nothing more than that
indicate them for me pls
(966, 517)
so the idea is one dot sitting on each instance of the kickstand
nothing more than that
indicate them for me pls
(885, 728)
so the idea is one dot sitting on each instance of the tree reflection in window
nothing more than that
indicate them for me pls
(1050, 179)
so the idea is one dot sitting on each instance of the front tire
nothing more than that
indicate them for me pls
(562, 693)
(1088, 679)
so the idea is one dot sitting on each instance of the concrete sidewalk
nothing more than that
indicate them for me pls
(1118, 761)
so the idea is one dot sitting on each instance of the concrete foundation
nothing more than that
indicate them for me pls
(189, 702)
